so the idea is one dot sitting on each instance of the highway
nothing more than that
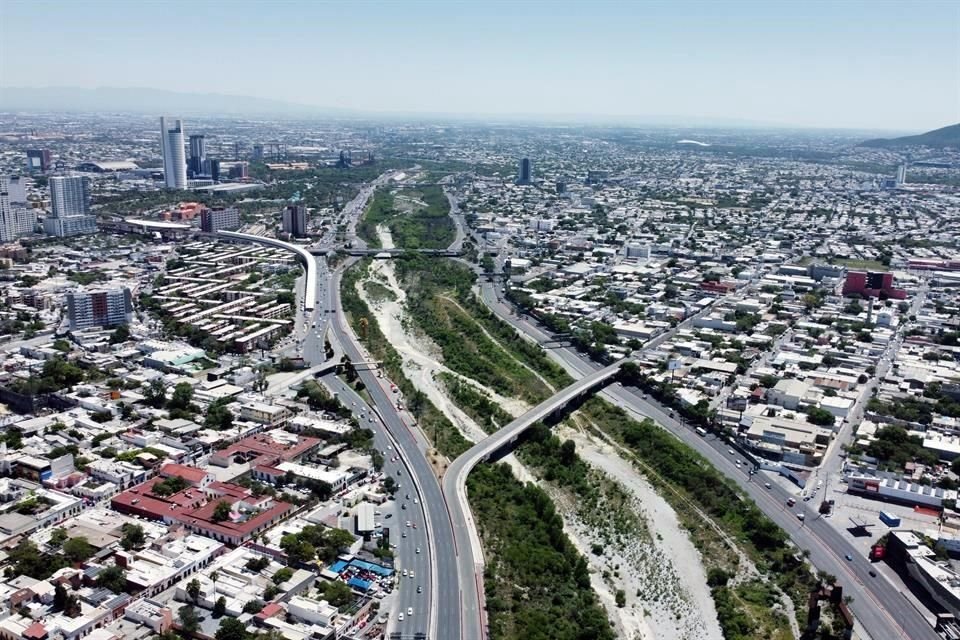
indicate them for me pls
(436, 609)
(406, 539)
(469, 553)
(443, 590)
(430, 531)
(878, 605)
(309, 298)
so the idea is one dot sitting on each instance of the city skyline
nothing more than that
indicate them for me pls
(890, 67)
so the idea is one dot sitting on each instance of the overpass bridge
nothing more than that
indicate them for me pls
(469, 553)
(387, 253)
(309, 264)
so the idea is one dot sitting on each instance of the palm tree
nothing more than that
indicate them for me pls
(213, 576)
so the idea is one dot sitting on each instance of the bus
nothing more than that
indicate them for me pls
(702, 432)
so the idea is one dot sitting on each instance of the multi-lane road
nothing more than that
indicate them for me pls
(413, 567)
(879, 605)
(441, 600)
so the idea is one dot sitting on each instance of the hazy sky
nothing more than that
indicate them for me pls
(889, 65)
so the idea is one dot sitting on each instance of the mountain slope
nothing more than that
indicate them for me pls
(945, 137)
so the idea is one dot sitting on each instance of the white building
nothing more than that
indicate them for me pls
(15, 220)
(788, 393)
(213, 220)
(70, 207)
(174, 155)
(101, 308)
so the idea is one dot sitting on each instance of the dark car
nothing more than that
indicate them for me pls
(873, 574)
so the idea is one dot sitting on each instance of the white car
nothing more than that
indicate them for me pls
(409, 611)
(404, 573)
(412, 575)
(400, 617)
(418, 549)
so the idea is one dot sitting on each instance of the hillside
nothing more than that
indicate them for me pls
(946, 137)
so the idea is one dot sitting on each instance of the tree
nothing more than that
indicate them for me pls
(818, 416)
(182, 398)
(193, 590)
(156, 393)
(282, 575)
(621, 598)
(120, 334)
(169, 486)
(58, 536)
(62, 345)
(390, 485)
(133, 536)
(221, 512)
(219, 607)
(955, 466)
(568, 453)
(77, 549)
(219, 416)
(254, 606)
(189, 620)
(113, 578)
(231, 629)
(59, 597)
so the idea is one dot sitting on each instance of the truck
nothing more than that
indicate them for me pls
(889, 519)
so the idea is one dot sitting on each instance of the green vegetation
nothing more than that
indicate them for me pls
(169, 486)
(918, 410)
(258, 564)
(474, 341)
(426, 226)
(703, 499)
(133, 536)
(77, 549)
(820, 417)
(113, 578)
(221, 512)
(861, 265)
(475, 403)
(380, 210)
(446, 437)
(537, 585)
(336, 593)
(218, 415)
(86, 278)
(57, 374)
(315, 542)
(26, 560)
(894, 447)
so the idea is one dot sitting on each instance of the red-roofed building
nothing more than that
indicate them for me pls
(196, 477)
(35, 631)
(268, 448)
(193, 508)
(269, 610)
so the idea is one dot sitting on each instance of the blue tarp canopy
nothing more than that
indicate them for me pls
(363, 585)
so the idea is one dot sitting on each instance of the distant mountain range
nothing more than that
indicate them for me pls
(938, 138)
(139, 100)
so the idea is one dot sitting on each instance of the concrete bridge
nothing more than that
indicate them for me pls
(386, 253)
(469, 554)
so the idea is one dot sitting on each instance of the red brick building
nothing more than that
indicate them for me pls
(194, 506)
(872, 284)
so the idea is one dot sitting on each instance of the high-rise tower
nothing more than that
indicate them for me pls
(525, 174)
(174, 156)
(198, 154)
